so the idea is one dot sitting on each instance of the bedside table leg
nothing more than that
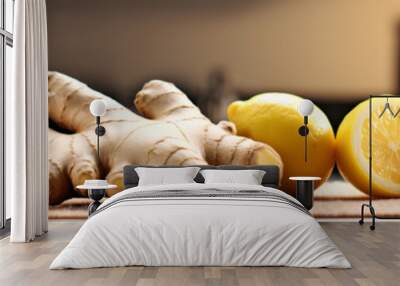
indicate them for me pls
(93, 207)
(305, 193)
(96, 195)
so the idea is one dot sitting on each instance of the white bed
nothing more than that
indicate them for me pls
(236, 229)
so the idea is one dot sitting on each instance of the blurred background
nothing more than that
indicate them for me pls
(334, 52)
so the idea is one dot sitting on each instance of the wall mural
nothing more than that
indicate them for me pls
(168, 129)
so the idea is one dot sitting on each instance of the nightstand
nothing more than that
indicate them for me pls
(96, 191)
(305, 190)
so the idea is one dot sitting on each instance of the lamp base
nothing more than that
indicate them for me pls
(100, 130)
(303, 130)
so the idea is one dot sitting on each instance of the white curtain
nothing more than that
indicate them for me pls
(27, 121)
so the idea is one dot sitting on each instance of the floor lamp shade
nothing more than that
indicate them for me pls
(305, 107)
(98, 107)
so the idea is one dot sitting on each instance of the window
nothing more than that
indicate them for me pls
(6, 61)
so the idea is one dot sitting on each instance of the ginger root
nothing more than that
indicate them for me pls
(173, 131)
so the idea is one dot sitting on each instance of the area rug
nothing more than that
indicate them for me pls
(335, 199)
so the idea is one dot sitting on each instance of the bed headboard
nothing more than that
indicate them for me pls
(271, 177)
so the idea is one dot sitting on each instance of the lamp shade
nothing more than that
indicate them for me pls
(305, 107)
(98, 107)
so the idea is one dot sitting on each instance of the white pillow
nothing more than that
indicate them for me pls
(166, 176)
(247, 177)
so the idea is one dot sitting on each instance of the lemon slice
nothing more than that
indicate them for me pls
(353, 148)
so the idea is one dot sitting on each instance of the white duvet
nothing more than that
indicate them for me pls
(204, 231)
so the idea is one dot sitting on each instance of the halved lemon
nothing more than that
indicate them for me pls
(352, 143)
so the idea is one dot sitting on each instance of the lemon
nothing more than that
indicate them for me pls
(353, 148)
(273, 118)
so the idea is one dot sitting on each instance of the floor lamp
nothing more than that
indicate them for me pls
(370, 201)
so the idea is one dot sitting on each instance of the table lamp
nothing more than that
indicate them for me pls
(98, 109)
(305, 108)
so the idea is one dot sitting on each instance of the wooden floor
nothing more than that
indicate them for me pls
(375, 257)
